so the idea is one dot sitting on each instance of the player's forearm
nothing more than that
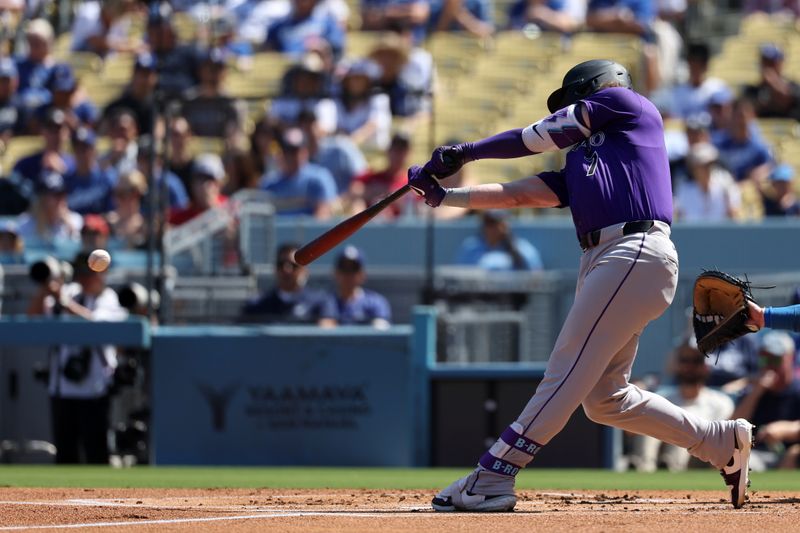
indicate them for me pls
(505, 145)
(785, 318)
(529, 192)
(554, 132)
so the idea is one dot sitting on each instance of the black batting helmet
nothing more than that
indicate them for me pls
(584, 79)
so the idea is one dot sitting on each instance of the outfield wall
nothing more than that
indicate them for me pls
(763, 246)
(267, 395)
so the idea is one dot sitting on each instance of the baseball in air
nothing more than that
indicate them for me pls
(99, 260)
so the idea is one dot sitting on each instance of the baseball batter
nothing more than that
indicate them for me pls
(616, 181)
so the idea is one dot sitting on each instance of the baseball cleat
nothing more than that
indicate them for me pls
(737, 472)
(457, 497)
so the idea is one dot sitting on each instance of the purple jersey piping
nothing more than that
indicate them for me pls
(586, 342)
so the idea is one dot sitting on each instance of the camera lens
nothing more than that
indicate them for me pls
(40, 272)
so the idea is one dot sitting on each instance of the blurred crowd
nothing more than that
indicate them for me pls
(337, 134)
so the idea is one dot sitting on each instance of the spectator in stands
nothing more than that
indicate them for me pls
(776, 96)
(710, 194)
(737, 361)
(95, 233)
(69, 97)
(12, 246)
(772, 394)
(694, 95)
(89, 187)
(634, 17)
(210, 111)
(254, 17)
(337, 153)
(496, 248)
(80, 377)
(784, 437)
(668, 31)
(373, 185)
(361, 113)
(217, 29)
(126, 221)
(407, 73)
(289, 301)
(747, 157)
(205, 189)
(350, 303)
(620, 16)
(262, 144)
(690, 392)
(473, 16)
(781, 201)
(103, 27)
(49, 221)
(34, 70)
(181, 159)
(382, 15)
(696, 130)
(241, 171)
(291, 33)
(773, 7)
(299, 186)
(11, 117)
(55, 133)
(16, 193)
(321, 50)
(304, 88)
(720, 108)
(177, 198)
(175, 63)
(138, 95)
(563, 16)
(123, 132)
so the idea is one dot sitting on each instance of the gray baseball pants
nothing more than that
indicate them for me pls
(624, 283)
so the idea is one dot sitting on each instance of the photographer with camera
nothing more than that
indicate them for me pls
(80, 377)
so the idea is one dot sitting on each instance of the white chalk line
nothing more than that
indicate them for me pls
(261, 516)
(189, 507)
(288, 514)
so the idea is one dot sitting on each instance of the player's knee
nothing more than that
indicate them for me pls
(600, 408)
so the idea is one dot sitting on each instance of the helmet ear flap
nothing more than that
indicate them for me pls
(584, 90)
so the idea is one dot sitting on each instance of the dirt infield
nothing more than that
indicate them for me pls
(269, 510)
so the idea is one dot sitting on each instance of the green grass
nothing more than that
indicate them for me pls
(374, 478)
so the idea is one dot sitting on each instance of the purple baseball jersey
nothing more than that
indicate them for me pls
(621, 172)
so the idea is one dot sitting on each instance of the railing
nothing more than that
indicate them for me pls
(237, 236)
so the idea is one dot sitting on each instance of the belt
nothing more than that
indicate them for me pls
(591, 239)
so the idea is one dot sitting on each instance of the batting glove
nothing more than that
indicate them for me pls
(447, 160)
(425, 185)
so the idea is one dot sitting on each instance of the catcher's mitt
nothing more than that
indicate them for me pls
(720, 309)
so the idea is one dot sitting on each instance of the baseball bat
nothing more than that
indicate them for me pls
(334, 236)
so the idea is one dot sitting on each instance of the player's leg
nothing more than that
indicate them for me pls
(725, 444)
(618, 294)
(615, 402)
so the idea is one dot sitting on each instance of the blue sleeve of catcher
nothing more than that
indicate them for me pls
(785, 318)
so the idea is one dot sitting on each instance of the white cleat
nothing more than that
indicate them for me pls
(737, 472)
(458, 497)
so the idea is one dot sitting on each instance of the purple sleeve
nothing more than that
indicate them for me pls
(558, 184)
(505, 145)
(611, 105)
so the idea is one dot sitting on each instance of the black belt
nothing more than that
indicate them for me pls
(591, 239)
